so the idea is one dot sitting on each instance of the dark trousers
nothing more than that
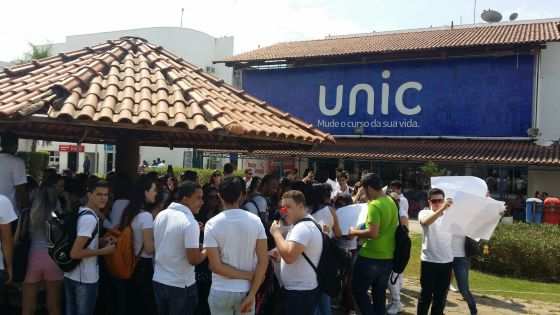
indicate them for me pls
(2, 293)
(434, 280)
(300, 302)
(461, 266)
(372, 273)
(120, 301)
(203, 292)
(175, 301)
(142, 299)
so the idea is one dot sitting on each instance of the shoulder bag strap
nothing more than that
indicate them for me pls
(95, 231)
(303, 254)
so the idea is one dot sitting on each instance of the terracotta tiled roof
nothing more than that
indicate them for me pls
(444, 150)
(482, 35)
(132, 82)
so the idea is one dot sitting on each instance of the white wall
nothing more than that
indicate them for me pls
(547, 180)
(97, 153)
(172, 157)
(548, 109)
(196, 47)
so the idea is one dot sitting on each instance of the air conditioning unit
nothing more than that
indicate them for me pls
(210, 69)
(533, 132)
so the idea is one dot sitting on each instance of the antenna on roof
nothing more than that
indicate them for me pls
(474, 13)
(182, 12)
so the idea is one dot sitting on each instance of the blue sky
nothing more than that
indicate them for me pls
(253, 23)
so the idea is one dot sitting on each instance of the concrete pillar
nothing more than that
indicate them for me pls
(127, 157)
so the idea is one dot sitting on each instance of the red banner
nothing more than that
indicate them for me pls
(70, 148)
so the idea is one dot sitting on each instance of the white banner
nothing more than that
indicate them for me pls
(467, 184)
(351, 216)
(472, 214)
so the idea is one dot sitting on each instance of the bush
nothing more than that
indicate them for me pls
(203, 174)
(522, 250)
(35, 163)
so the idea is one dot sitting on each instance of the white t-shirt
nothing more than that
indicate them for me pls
(142, 221)
(88, 269)
(12, 174)
(260, 202)
(347, 244)
(458, 245)
(247, 182)
(403, 206)
(235, 233)
(436, 243)
(7, 216)
(348, 191)
(175, 230)
(116, 213)
(300, 276)
(325, 217)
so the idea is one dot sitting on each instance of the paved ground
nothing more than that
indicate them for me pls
(487, 305)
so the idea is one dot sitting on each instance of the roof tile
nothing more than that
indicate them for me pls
(508, 152)
(462, 36)
(129, 80)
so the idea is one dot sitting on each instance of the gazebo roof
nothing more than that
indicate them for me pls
(130, 86)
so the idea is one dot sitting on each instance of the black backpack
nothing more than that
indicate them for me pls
(333, 264)
(61, 234)
(401, 255)
(472, 247)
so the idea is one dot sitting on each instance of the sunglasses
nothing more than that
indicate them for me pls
(436, 200)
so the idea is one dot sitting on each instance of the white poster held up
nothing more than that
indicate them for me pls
(351, 216)
(472, 214)
(467, 184)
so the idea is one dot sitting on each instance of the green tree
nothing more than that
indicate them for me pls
(431, 169)
(37, 52)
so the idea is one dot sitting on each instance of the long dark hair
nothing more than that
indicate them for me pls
(253, 187)
(44, 203)
(206, 212)
(320, 195)
(137, 199)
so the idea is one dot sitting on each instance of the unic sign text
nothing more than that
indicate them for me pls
(370, 97)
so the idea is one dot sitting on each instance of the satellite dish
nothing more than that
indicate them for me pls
(513, 16)
(491, 16)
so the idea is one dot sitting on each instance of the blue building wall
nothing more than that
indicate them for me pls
(468, 97)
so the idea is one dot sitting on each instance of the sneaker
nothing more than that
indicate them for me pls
(395, 308)
(452, 288)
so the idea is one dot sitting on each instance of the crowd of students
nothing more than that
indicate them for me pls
(234, 246)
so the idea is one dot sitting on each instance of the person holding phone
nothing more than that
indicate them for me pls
(436, 255)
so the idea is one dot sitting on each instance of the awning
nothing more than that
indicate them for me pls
(504, 152)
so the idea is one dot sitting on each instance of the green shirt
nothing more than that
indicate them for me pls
(383, 212)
